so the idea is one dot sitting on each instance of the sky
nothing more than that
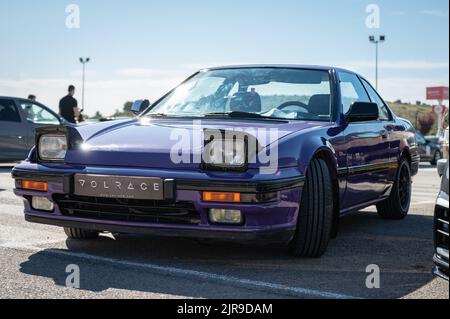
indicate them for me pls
(141, 49)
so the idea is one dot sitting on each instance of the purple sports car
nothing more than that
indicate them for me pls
(268, 152)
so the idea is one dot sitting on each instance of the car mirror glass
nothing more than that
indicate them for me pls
(139, 106)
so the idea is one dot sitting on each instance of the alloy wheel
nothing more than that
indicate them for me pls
(404, 187)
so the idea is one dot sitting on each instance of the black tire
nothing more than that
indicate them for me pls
(80, 234)
(396, 206)
(315, 218)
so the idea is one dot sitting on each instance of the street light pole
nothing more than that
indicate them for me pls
(83, 62)
(376, 41)
(376, 65)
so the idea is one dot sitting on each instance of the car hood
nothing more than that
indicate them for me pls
(149, 142)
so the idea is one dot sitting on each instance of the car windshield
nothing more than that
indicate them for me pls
(265, 93)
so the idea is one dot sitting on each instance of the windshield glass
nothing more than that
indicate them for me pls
(265, 92)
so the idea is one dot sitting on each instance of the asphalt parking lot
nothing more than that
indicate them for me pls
(33, 259)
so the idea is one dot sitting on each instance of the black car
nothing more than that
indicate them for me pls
(430, 148)
(441, 222)
(18, 120)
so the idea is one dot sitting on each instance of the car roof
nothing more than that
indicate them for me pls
(25, 99)
(280, 66)
(11, 97)
(36, 102)
(18, 98)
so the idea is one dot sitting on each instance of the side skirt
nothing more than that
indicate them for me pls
(359, 207)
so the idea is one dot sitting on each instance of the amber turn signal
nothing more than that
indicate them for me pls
(35, 186)
(221, 197)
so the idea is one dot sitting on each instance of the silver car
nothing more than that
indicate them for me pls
(441, 222)
(18, 120)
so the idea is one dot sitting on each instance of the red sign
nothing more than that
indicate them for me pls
(437, 93)
(439, 109)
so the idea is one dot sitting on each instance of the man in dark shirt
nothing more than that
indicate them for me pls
(68, 107)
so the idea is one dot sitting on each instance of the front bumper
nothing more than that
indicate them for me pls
(441, 268)
(265, 236)
(273, 221)
(441, 236)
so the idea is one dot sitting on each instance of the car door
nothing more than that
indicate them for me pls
(424, 148)
(389, 127)
(368, 148)
(36, 115)
(13, 132)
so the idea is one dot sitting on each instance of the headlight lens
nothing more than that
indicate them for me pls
(226, 153)
(52, 147)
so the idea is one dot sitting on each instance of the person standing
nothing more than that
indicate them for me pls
(68, 107)
(32, 97)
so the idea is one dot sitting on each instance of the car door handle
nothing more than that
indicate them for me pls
(384, 134)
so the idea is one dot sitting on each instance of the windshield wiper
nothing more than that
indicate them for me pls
(234, 114)
(238, 114)
(157, 114)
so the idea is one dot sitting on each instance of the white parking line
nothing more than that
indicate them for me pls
(244, 283)
(424, 203)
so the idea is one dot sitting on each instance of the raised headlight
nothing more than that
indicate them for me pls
(52, 147)
(226, 154)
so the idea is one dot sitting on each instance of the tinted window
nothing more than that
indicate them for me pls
(352, 90)
(37, 114)
(384, 112)
(8, 111)
(420, 139)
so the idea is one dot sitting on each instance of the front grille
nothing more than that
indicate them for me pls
(441, 227)
(148, 211)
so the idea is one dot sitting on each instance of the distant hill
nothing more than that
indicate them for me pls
(411, 111)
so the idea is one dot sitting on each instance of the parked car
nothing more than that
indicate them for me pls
(441, 222)
(338, 149)
(430, 148)
(446, 143)
(18, 120)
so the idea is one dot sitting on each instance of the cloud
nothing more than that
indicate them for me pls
(397, 65)
(407, 89)
(184, 70)
(436, 13)
(78, 73)
(144, 73)
(103, 95)
(199, 66)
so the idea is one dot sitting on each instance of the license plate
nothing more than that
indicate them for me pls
(125, 187)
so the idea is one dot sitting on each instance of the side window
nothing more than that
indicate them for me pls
(8, 111)
(420, 139)
(384, 112)
(38, 115)
(352, 90)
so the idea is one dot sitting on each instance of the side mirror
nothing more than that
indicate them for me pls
(362, 112)
(442, 166)
(139, 106)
